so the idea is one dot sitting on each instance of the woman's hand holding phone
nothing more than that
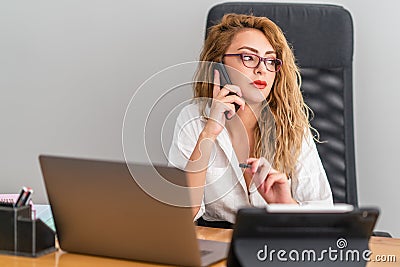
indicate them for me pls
(223, 105)
(224, 79)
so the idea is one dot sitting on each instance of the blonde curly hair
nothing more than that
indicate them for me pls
(279, 141)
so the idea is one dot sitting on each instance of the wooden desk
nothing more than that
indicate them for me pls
(378, 245)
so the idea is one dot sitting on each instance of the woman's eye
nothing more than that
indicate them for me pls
(248, 58)
(271, 61)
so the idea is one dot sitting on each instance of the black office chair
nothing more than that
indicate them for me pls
(322, 38)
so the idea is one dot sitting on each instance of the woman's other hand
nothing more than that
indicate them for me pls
(273, 186)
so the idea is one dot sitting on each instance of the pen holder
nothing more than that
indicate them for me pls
(22, 236)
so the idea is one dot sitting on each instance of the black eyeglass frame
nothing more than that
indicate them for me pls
(260, 59)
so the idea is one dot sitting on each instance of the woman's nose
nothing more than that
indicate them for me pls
(261, 68)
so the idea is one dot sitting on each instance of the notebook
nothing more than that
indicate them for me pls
(99, 209)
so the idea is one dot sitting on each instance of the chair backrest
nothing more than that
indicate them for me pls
(322, 39)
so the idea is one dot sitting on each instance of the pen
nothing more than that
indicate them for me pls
(244, 165)
(28, 196)
(24, 197)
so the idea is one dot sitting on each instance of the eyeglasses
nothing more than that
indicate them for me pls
(253, 61)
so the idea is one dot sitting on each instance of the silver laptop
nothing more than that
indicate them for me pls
(99, 209)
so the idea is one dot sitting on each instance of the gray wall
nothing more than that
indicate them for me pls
(68, 70)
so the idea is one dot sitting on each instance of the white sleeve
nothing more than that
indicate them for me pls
(186, 133)
(310, 184)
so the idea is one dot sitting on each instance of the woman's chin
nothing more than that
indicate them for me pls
(254, 100)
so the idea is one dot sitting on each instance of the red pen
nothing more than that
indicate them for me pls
(24, 197)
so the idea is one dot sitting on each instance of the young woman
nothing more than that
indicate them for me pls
(270, 132)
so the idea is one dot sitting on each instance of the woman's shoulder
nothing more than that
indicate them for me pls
(307, 144)
(308, 138)
(189, 121)
(190, 111)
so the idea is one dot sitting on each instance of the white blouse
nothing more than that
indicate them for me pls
(225, 189)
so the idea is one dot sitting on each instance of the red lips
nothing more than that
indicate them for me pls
(260, 84)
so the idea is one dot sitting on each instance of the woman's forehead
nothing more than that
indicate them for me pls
(251, 38)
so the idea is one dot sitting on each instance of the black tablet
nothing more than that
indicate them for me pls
(302, 237)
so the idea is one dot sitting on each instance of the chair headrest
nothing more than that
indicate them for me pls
(321, 35)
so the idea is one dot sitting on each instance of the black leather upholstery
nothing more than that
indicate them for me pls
(322, 38)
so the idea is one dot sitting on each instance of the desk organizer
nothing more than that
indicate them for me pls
(22, 236)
